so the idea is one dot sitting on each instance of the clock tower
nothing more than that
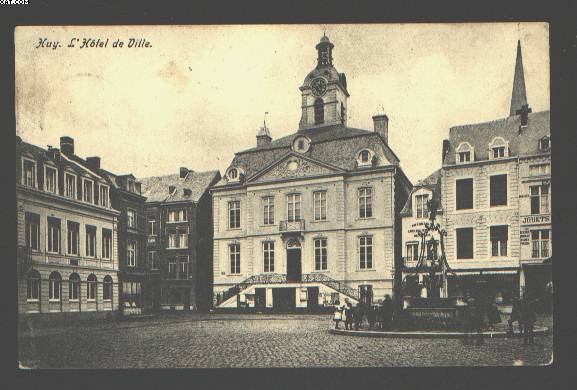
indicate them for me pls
(324, 92)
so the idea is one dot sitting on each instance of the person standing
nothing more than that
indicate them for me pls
(338, 315)
(348, 315)
(529, 318)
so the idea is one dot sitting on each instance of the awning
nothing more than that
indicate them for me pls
(487, 272)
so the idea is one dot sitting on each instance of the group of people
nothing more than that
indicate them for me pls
(379, 317)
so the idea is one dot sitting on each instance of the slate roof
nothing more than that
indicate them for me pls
(433, 183)
(335, 145)
(521, 143)
(156, 188)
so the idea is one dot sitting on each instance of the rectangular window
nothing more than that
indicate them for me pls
(234, 253)
(539, 243)
(106, 243)
(152, 260)
(177, 215)
(320, 205)
(294, 207)
(499, 152)
(131, 254)
(90, 241)
(182, 215)
(498, 190)
(29, 173)
(103, 196)
(234, 214)
(539, 169)
(172, 238)
(130, 185)
(70, 186)
(87, 190)
(432, 251)
(464, 194)
(32, 231)
(183, 267)
(53, 235)
(50, 179)
(131, 218)
(151, 225)
(365, 252)
(412, 251)
(268, 210)
(268, 256)
(464, 243)
(365, 202)
(182, 237)
(539, 199)
(421, 205)
(73, 240)
(499, 238)
(320, 254)
(464, 157)
(172, 268)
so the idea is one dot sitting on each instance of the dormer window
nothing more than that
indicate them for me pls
(87, 190)
(70, 185)
(301, 144)
(103, 195)
(130, 185)
(29, 173)
(233, 174)
(50, 179)
(365, 157)
(498, 148)
(544, 144)
(464, 153)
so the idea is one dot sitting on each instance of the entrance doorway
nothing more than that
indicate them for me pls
(260, 298)
(312, 298)
(294, 266)
(284, 299)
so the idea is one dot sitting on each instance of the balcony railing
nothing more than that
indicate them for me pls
(291, 226)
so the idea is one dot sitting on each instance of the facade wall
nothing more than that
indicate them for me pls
(341, 229)
(531, 222)
(482, 216)
(45, 205)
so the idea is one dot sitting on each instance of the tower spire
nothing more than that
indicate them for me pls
(519, 94)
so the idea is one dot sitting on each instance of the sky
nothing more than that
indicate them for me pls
(198, 94)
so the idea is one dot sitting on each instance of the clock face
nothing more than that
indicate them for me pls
(319, 86)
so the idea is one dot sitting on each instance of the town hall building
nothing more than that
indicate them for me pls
(310, 219)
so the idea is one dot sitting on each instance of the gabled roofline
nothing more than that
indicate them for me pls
(289, 154)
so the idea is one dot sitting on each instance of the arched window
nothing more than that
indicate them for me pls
(33, 286)
(233, 173)
(73, 287)
(54, 286)
(91, 287)
(319, 111)
(365, 157)
(107, 288)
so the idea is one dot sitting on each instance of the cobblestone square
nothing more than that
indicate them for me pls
(234, 340)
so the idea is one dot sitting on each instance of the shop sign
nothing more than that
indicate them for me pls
(536, 219)
(525, 237)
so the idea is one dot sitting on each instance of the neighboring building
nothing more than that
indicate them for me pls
(67, 233)
(496, 196)
(415, 215)
(134, 289)
(179, 228)
(311, 218)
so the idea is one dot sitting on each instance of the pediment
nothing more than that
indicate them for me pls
(294, 166)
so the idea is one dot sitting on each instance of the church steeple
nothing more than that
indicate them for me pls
(519, 94)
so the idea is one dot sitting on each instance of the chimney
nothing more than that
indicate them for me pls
(187, 191)
(67, 145)
(446, 147)
(263, 138)
(183, 172)
(171, 189)
(381, 124)
(93, 162)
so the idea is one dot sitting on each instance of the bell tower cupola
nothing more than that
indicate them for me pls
(324, 92)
